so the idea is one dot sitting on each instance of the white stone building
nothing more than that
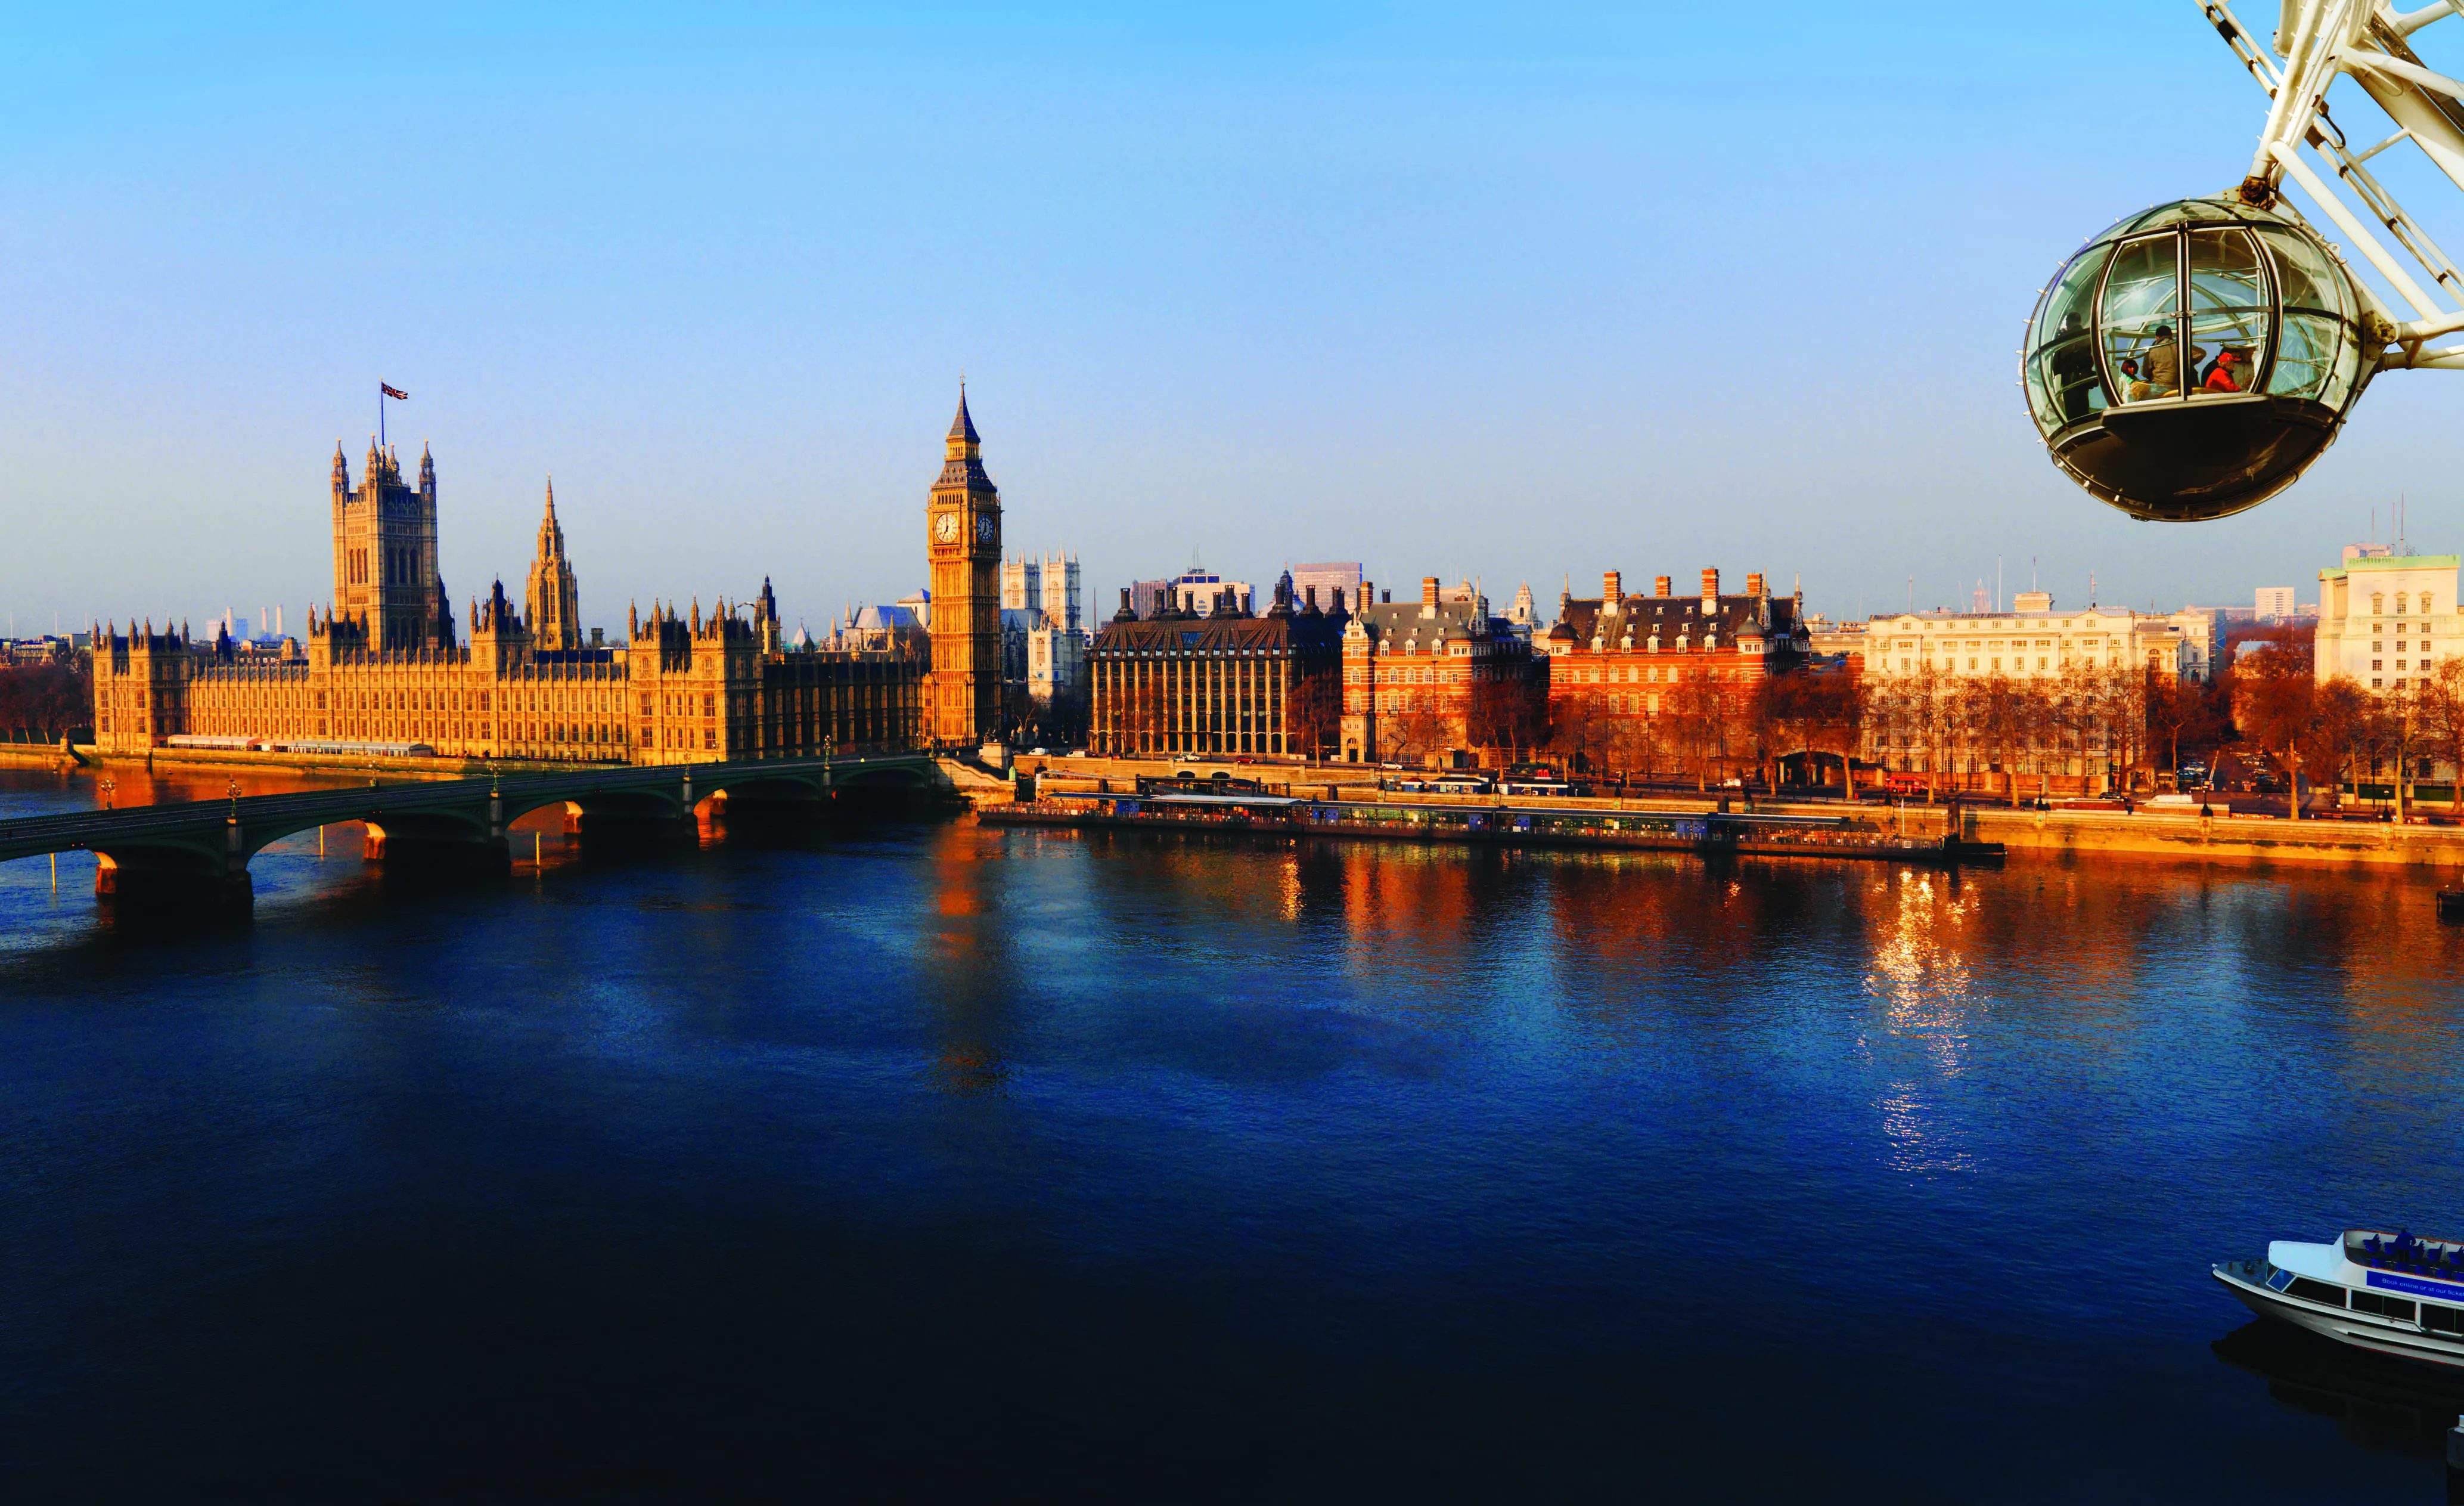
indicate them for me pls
(2385, 620)
(2035, 639)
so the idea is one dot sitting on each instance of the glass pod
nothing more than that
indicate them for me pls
(2193, 359)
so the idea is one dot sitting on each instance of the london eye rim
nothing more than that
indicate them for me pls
(2319, 42)
(2322, 41)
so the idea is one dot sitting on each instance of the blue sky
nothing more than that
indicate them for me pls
(1452, 290)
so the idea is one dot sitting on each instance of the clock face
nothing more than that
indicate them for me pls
(946, 528)
(984, 526)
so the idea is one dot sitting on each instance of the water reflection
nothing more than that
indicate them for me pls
(969, 974)
(1418, 1136)
(33, 791)
(2374, 1401)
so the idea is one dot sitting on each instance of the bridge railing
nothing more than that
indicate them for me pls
(410, 795)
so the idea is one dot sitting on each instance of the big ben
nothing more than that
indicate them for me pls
(962, 536)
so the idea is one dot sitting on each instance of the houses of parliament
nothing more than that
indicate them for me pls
(391, 663)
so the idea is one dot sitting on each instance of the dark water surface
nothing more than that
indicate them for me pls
(894, 1159)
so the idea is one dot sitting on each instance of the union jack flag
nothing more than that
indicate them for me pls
(392, 391)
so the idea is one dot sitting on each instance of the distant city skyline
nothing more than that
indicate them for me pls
(1464, 293)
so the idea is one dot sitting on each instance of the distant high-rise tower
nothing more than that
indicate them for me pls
(384, 553)
(550, 599)
(962, 541)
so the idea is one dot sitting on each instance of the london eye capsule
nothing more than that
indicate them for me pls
(2193, 359)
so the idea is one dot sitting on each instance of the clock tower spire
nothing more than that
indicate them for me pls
(962, 543)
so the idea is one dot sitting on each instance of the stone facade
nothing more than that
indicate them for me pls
(963, 543)
(1434, 680)
(1224, 682)
(384, 553)
(552, 597)
(683, 687)
(2037, 643)
(2387, 620)
(1044, 650)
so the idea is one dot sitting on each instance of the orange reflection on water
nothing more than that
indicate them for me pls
(967, 971)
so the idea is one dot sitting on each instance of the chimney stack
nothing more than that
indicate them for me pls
(1711, 588)
(1428, 591)
(1660, 585)
(1754, 583)
(1611, 589)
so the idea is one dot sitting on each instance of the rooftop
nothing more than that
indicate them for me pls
(2401, 562)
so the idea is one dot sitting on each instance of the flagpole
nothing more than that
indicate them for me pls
(380, 418)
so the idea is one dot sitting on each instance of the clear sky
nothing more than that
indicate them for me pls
(1451, 290)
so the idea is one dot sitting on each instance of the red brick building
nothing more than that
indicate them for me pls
(1617, 662)
(1438, 681)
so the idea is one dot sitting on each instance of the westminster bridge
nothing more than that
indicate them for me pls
(199, 850)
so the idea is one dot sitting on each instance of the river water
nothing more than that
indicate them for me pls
(903, 1157)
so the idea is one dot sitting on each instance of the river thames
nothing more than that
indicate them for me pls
(905, 1157)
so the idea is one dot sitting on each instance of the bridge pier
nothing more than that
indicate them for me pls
(463, 838)
(171, 884)
(427, 851)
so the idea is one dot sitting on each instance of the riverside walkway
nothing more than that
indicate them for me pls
(201, 848)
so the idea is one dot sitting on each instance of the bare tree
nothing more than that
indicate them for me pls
(2441, 698)
(2122, 704)
(1506, 713)
(2184, 712)
(1698, 712)
(1802, 712)
(46, 700)
(1312, 710)
(2275, 696)
(1579, 727)
(1415, 729)
(2393, 729)
(1925, 703)
(1997, 719)
(2345, 728)
(2074, 706)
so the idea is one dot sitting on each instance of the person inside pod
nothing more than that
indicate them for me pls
(2162, 365)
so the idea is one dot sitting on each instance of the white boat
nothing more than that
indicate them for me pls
(2390, 1293)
